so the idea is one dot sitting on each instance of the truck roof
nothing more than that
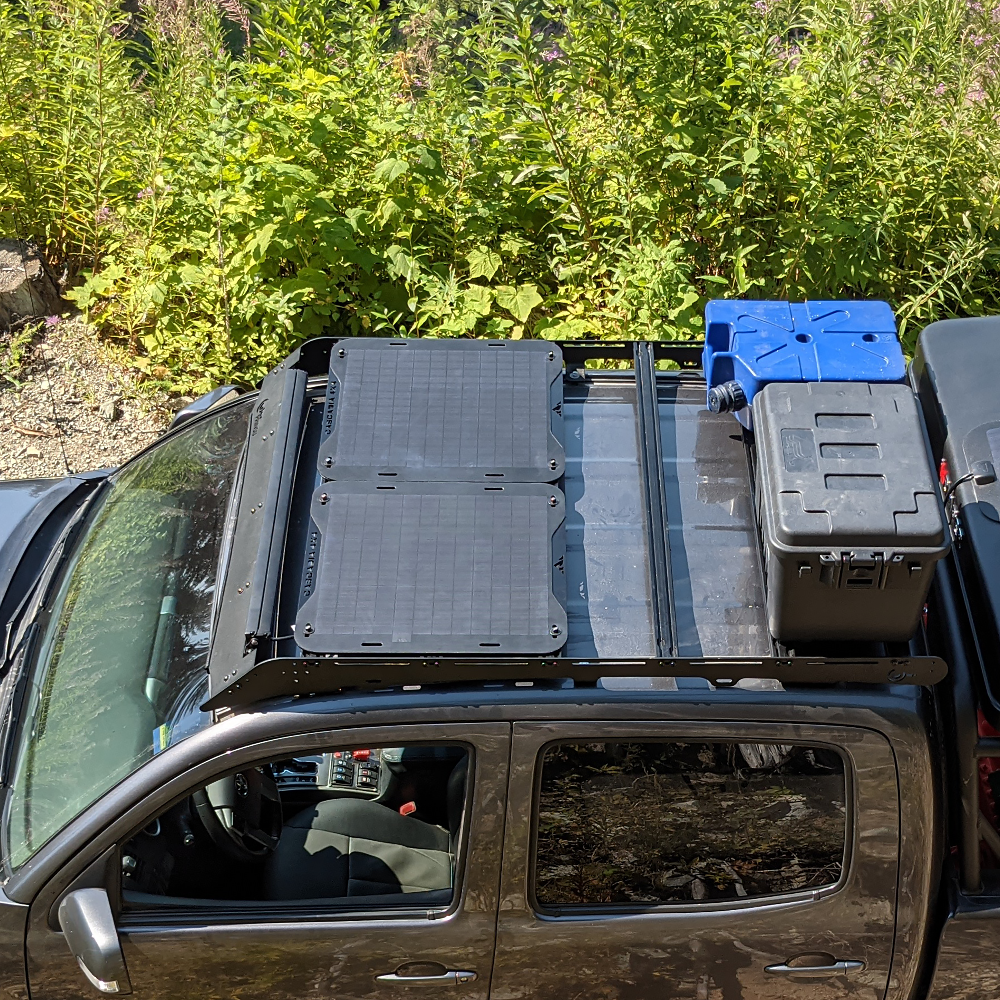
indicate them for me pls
(644, 497)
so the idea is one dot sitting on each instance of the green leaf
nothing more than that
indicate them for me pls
(567, 329)
(518, 301)
(483, 263)
(751, 156)
(477, 299)
(401, 264)
(513, 246)
(388, 170)
(719, 187)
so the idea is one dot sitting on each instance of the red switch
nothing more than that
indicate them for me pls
(362, 754)
(407, 807)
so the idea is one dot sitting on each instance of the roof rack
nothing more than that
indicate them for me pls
(657, 632)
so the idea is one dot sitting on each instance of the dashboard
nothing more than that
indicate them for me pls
(341, 770)
(367, 771)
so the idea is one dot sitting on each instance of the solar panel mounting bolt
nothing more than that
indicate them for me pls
(554, 631)
(341, 353)
(324, 497)
(307, 629)
(328, 461)
(553, 501)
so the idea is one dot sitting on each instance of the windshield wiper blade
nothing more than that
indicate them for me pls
(16, 684)
(31, 604)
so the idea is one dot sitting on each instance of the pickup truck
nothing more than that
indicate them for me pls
(284, 715)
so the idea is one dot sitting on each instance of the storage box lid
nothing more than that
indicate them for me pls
(845, 464)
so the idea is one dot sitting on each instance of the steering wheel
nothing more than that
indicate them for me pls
(241, 814)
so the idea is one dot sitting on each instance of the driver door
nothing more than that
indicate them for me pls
(208, 949)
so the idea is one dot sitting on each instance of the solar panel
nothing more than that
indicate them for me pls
(434, 568)
(444, 411)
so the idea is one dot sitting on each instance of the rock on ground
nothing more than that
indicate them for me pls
(70, 406)
(27, 288)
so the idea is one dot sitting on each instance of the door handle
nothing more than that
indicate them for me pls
(453, 977)
(815, 971)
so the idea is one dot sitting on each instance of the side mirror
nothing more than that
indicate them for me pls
(89, 925)
(203, 403)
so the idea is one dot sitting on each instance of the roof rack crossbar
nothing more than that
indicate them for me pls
(576, 353)
(654, 500)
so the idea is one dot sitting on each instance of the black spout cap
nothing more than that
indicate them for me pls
(727, 398)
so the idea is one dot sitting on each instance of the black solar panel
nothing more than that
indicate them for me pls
(431, 568)
(444, 411)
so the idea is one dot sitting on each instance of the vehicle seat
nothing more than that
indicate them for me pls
(357, 847)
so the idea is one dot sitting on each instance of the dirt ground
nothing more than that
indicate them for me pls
(67, 404)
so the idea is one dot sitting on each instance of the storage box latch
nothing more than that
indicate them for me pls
(862, 570)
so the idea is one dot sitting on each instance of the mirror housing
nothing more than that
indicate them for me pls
(202, 404)
(89, 926)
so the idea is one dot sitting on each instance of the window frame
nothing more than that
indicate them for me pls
(220, 913)
(577, 910)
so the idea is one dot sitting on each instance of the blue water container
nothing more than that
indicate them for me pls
(749, 344)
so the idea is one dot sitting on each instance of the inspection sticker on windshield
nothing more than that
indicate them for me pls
(161, 738)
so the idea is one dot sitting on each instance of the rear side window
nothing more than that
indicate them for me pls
(647, 823)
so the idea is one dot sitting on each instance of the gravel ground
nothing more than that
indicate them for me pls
(71, 406)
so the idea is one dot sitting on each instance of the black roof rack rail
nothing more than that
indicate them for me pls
(248, 593)
(284, 677)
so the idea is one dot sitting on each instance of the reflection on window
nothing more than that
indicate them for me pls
(635, 823)
(121, 668)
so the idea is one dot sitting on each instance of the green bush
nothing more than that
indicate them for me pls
(584, 168)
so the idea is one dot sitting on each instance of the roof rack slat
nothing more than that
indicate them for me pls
(655, 499)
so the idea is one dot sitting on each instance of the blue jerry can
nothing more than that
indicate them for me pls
(749, 344)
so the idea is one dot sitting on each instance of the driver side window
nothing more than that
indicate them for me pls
(355, 827)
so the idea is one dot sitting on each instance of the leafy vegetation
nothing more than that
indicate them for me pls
(220, 186)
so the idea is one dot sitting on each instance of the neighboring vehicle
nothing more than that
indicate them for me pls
(447, 667)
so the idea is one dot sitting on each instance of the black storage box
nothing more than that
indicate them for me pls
(956, 372)
(849, 507)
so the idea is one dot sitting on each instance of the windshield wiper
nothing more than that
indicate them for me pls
(13, 688)
(17, 651)
(33, 601)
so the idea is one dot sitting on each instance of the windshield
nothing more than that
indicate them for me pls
(121, 666)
